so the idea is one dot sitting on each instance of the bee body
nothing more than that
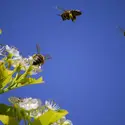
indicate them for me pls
(38, 59)
(69, 14)
(65, 16)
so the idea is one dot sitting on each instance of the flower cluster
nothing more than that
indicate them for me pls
(14, 58)
(35, 106)
(15, 70)
(5, 50)
(52, 105)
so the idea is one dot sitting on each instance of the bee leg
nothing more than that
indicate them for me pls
(73, 18)
(63, 17)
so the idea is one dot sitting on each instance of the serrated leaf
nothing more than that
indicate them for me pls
(50, 117)
(6, 120)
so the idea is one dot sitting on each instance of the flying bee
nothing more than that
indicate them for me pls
(69, 14)
(39, 59)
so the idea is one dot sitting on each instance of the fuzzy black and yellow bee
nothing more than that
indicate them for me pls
(69, 14)
(39, 59)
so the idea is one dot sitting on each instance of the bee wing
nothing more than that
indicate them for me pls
(38, 48)
(121, 29)
(76, 12)
(59, 8)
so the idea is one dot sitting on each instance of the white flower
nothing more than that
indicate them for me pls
(25, 62)
(30, 58)
(29, 104)
(2, 50)
(62, 120)
(67, 122)
(36, 70)
(51, 105)
(17, 57)
(15, 53)
(12, 50)
(38, 112)
(21, 61)
(35, 114)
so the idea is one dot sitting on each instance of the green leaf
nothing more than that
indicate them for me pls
(25, 74)
(50, 117)
(29, 81)
(3, 72)
(6, 120)
(5, 81)
(12, 111)
(6, 75)
(6, 110)
(36, 122)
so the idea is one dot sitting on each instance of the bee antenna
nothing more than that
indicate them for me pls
(38, 48)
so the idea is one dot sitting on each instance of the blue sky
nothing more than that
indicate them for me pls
(86, 74)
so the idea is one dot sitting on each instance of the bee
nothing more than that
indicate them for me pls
(122, 30)
(69, 14)
(39, 59)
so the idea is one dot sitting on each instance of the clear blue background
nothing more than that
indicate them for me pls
(87, 73)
